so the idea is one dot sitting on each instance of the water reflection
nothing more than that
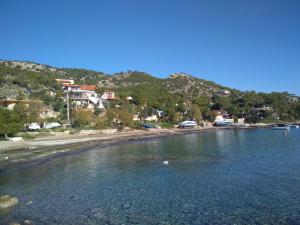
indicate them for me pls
(223, 177)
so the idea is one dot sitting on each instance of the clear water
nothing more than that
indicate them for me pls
(221, 177)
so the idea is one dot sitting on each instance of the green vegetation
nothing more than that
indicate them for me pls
(179, 97)
(10, 122)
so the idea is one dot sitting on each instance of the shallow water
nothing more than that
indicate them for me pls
(218, 177)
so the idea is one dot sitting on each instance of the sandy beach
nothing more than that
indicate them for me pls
(12, 152)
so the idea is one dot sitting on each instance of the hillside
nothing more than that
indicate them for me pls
(180, 95)
(27, 77)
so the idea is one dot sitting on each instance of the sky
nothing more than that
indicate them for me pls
(243, 44)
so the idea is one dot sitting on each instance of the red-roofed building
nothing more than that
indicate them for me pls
(88, 87)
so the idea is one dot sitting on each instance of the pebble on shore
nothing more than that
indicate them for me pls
(7, 201)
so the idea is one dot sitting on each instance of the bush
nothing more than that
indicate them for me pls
(82, 118)
(166, 125)
(101, 123)
(136, 125)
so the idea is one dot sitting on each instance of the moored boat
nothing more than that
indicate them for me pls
(188, 124)
(281, 127)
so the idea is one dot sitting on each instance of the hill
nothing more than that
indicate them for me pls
(28, 77)
(179, 94)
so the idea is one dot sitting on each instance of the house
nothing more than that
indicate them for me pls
(88, 87)
(224, 93)
(71, 87)
(89, 99)
(241, 121)
(65, 81)
(108, 95)
(223, 119)
(263, 109)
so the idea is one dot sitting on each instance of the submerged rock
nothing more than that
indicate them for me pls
(7, 201)
(166, 162)
(28, 203)
(27, 222)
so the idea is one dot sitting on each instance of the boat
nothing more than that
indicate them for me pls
(147, 126)
(294, 126)
(33, 126)
(223, 123)
(51, 125)
(281, 127)
(188, 124)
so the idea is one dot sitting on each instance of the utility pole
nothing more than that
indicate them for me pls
(68, 107)
(83, 83)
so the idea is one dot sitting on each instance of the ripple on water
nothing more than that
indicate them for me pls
(224, 177)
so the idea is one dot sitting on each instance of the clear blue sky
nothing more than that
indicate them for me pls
(245, 44)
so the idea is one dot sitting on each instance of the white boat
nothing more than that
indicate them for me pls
(294, 126)
(34, 126)
(281, 127)
(224, 123)
(51, 125)
(188, 124)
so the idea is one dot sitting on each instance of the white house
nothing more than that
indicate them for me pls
(224, 92)
(85, 98)
(108, 95)
(65, 81)
(223, 119)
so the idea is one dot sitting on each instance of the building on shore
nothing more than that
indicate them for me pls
(109, 95)
(224, 93)
(225, 119)
(65, 81)
(84, 98)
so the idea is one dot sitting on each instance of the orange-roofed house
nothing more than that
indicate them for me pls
(88, 87)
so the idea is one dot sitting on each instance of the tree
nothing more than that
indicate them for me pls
(22, 111)
(9, 122)
(252, 117)
(82, 118)
(125, 117)
(34, 111)
(195, 113)
(147, 111)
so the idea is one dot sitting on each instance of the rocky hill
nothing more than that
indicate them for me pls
(27, 78)
(178, 94)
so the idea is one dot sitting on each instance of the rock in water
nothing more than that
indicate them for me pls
(7, 201)
(27, 222)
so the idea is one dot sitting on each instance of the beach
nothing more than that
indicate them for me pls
(14, 152)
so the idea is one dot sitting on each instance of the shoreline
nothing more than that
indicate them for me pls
(45, 148)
